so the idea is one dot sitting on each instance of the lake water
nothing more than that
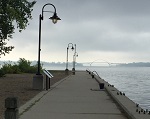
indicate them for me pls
(133, 81)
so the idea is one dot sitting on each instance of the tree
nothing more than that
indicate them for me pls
(13, 12)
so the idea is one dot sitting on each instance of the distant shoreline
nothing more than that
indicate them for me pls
(63, 64)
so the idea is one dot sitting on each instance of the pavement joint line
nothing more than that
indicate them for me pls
(24, 108)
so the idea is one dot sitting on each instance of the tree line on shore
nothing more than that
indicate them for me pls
(135, 64)
(21, 66)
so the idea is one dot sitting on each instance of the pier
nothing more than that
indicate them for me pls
(80, 96)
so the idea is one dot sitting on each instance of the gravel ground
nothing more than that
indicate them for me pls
(20, 85)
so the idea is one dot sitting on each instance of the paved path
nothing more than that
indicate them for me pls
(77, 97)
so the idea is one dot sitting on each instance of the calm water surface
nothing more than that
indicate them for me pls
(134, 81)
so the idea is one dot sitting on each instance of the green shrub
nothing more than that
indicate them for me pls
(7, 68)
(32, 69)
(15, 69)
(2, 73)
(24, 65)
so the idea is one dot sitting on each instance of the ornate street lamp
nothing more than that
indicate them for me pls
(54, 19)
(69, 45)
(37, 80)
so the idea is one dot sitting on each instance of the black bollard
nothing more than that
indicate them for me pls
(101, 85)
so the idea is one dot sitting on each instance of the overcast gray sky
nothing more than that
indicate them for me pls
(110, 30)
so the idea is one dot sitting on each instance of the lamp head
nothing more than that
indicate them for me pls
(54, 18)
(72, 48)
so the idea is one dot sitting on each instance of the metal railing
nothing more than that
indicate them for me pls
(96, 74)
(92, 73)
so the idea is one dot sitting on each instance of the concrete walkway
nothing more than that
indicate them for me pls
(76, 97)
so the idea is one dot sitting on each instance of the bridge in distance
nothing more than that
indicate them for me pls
(103, 63)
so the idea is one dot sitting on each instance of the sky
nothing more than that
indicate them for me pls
(116, 31)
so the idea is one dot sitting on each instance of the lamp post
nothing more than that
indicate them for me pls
(73, 68)
(74, 61)
(54, 19)
(67, 56)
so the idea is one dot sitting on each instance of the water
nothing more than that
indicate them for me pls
(133, 81)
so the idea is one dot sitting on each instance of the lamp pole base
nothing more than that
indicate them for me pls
(38, 82)
(66, 71)
(73, 71)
